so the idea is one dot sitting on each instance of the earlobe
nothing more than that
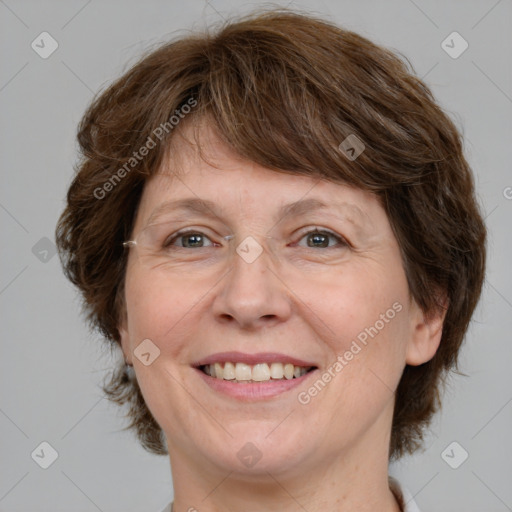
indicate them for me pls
(427, 331)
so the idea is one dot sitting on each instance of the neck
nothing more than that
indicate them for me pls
(229, 493)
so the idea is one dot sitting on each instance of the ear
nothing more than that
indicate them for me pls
(125, 339)
(427, 330)
(125, 345)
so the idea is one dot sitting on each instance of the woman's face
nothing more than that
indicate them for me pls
(327, 294)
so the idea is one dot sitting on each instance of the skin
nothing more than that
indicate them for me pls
(308, 302)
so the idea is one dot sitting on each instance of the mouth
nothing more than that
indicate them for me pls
(252, 377)
(238, 372)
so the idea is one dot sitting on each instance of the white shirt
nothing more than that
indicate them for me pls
(402, 493)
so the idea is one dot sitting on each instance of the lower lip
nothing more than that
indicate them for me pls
(255, 390)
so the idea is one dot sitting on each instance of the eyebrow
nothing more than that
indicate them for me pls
(198, 206)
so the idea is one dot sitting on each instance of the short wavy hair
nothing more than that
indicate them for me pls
(284, 89)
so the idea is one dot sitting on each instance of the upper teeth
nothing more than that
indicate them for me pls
(258, 372)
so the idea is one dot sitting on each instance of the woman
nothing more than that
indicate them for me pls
(276, 226)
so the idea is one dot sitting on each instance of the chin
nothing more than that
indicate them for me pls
(252, 453)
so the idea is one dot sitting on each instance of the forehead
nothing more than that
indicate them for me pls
(212, 180)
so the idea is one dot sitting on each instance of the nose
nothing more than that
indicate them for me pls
(252, 295)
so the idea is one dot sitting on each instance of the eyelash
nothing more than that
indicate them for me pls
(341, 241)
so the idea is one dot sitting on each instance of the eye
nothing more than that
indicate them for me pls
(189, 239)
(319, 239)
(193, 239)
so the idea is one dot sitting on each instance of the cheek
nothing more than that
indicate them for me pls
(158, 309)
(358, 301)
(365, 324)
(368, 357)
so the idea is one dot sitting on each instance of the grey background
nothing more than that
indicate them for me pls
(51, 365)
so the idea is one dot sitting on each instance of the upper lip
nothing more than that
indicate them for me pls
(252, 359)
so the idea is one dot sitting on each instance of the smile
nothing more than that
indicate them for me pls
(253, 377)
(260, 372)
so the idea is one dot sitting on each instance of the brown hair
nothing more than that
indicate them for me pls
(284, 89)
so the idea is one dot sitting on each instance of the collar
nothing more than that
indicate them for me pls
(404, 497)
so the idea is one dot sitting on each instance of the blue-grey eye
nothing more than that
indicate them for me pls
(190, 240)
(321, 239)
